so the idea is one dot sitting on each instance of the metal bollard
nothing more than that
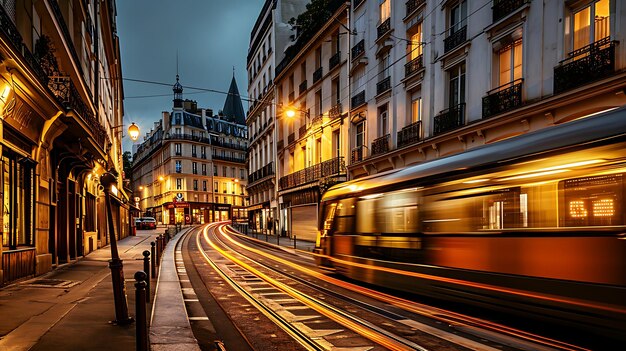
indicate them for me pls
(159, 249)
(294, 241)
(153, 254)
(141, 332)
(146, 269)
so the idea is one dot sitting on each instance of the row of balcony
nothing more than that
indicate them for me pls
(214, 141)
(587, 64)
(330, 168)
(229, 158)
(266, 171)
(61, 87)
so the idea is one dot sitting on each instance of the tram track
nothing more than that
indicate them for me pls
(455, 322)
(389, 331)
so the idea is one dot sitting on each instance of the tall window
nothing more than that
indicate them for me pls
(16, 182)
(415, 43)
(216, 188)
(179, 183)
(215, 171)
(336, 144)
(457, 85)
(510, 62)
(335, 43)
(179, 166)
(318, 57)
(178, 149)
(195, 184)
(458, 15)
(194, 167)
(204, 185)
(385, 9)
(336, 91)
(596, 12)
(385, 62)
(416, 109)
(204, 169)
(383, 120)
(360, 134)
(194, 150)
(242, 173)
(318, 102)
(224, 170)
(318, 149)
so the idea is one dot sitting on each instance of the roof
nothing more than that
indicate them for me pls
(233, 108)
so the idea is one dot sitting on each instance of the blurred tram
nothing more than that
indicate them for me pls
(534, 224)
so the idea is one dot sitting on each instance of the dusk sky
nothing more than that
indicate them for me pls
(211, 36)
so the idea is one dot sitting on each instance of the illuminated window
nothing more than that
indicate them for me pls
(385, 9)
(415, 42)
(510, 63)
(583, 32)
(416, 109)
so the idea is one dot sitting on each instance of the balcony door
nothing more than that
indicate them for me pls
(456, 89)
(590, 23)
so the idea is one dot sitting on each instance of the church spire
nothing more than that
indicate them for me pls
(233, 108)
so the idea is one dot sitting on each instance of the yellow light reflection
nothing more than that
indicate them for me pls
(533, 175)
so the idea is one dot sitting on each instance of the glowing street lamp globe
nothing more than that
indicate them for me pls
(133, 132)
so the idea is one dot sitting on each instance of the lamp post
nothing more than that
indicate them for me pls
(133, 131)
(115, 264)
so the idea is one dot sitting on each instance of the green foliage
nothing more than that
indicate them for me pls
(127, 161)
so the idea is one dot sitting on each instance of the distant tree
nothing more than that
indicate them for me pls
(127, 159)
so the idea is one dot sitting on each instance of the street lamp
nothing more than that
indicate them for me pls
(108, 180)
(133, 130)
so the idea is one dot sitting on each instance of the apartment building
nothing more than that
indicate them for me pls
(270, 31)
(312, 101)
(191, 167)
(60, 129)
(435, 78)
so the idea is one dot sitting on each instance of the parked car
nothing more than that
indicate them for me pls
(145, 223)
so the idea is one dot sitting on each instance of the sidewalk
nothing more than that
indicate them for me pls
(70, 307)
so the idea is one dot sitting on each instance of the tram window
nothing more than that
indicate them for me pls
(328, 219)
(367, 215)
(344, 216)
(591, 201)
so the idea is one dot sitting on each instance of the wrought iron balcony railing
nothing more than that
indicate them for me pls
(358, 100)
(332, 167)
(587, 64)
(501, 8)
(383, 28)
(449, 119)
(455, 39)
(413, 5)
(383, 85)
(229, 158)
(334, 60)
(335, 111)
(358, 49)
(410, 134)
(380, 145)
(317, 75)
(357, 154)
(10, 31)
(67, 95)
(413, 66)
(266, 171)
(303, 86)
(503, 98)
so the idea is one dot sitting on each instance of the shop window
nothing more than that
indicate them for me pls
(17, 179)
